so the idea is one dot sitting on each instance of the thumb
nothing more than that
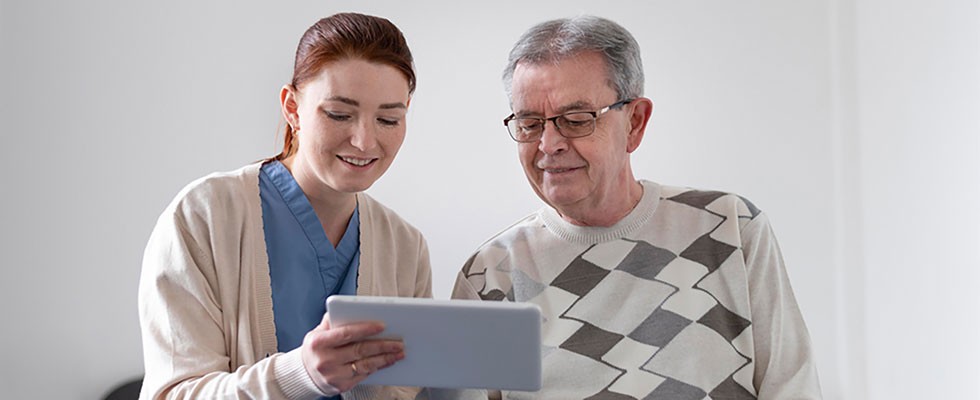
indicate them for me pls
(325, 322)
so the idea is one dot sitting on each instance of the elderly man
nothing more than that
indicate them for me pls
(648, 291)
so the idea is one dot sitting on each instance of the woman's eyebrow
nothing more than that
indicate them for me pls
(345, 100)
(355, 103)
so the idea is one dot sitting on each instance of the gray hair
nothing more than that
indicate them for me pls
(556, 40)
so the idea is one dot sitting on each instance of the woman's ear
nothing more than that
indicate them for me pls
(288, 101)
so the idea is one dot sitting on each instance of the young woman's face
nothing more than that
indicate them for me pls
(351, 122)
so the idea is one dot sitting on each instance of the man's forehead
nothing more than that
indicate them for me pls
(553, 105)
(536, 98)
(576, 82)
(574, 66)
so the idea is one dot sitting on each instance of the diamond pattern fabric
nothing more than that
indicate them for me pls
(658, 312)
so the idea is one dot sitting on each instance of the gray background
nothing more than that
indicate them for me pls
(853, 123)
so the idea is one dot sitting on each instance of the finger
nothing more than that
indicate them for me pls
(346, 376)
(369, 365)
(370, 348)
(333, 346)
(354, 332)
(350, 374)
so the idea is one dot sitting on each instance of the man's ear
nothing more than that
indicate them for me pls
(287, 99)
(640, 111)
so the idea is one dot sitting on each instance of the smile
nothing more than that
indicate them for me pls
(360, 162)
(559, 170)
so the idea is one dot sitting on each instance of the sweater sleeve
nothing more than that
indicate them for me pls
(784, 365)
(464, 289)
(185, 341)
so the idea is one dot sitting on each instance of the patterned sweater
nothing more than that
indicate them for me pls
(687, 297)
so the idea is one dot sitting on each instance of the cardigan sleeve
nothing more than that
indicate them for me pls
(784, 365)
(186, 340)
(423, 279)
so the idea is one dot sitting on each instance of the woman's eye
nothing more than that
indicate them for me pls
(338, 117)
(388, 121)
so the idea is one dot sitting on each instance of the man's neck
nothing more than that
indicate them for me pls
(604, 215)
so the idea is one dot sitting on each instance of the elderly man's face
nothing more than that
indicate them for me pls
(581, 175)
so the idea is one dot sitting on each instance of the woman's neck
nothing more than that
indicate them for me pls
(334, 209)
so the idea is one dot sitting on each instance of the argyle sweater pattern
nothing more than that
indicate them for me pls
(685, 298)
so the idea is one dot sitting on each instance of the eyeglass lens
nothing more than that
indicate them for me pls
(569, 125)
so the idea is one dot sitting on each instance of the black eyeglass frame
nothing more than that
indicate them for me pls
(554, 120)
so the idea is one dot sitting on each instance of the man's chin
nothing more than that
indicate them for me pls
(561, 199)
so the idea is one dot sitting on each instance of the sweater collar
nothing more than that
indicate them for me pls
(638, 217)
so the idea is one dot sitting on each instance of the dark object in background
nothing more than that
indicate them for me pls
(130, 390)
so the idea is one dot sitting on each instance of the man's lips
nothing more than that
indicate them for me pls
(558, 169)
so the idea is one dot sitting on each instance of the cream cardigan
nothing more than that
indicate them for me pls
(205, 299)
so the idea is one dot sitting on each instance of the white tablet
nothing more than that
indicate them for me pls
(452, 343)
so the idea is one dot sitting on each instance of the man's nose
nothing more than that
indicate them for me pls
(552, 141)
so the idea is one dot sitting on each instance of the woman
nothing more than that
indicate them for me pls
(238, 266)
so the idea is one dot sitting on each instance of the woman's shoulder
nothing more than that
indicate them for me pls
(374, 213)
(228, 191)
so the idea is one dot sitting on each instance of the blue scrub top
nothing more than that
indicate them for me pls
(304, 266)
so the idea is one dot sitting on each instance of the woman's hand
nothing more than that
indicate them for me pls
(339, 358)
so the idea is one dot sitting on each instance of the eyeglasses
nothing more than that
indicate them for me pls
(570, 125)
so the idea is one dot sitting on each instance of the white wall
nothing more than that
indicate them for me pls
(918, 91)
(854, 124)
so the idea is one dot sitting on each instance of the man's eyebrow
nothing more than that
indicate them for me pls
(575, 106)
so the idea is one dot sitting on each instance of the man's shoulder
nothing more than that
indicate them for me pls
(711, 201)
(524, 229)
(521, 228)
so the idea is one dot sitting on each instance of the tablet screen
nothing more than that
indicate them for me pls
(452, 343)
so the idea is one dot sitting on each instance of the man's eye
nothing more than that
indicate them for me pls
(575, 120)
(529, 124)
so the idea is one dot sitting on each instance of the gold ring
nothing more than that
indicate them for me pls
(353, 366)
